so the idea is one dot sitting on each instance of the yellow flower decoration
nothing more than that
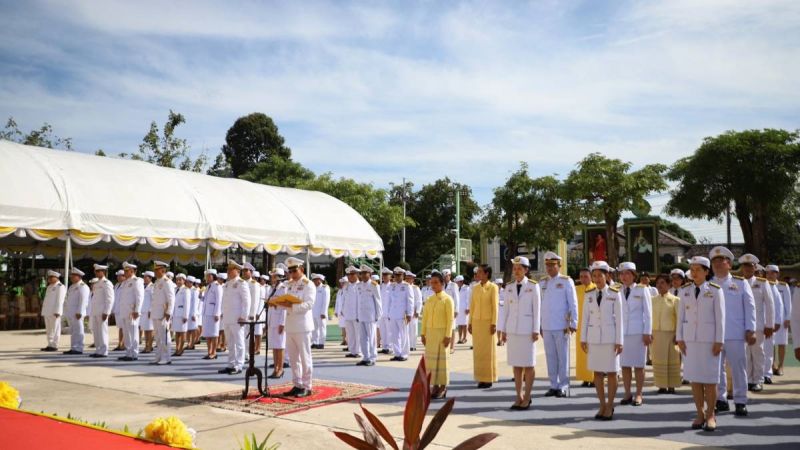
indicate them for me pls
(9, 397)
(170, 431)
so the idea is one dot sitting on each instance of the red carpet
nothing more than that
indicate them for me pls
(29, 431)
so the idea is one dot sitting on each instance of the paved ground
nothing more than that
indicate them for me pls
(133, 393)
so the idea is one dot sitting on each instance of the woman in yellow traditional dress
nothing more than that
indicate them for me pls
(666, 357)
(582, 371)
(483, 308)
(437, 323)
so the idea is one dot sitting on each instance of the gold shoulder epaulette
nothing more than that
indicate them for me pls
(712, 284)
(374, 283)
(533, 281)
(761, 279)
(783, 283)
(591, 290)
(543, 278)
(773, 282)
(614, 288)
(563, 276)
(737, 277)
(685, 285)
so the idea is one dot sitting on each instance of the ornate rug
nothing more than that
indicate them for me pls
(324, 393)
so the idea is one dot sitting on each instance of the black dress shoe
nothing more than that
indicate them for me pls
(72, 352)
(757, 388)
(385, 351)
(361, 363)
(351, 355)
(207, 357)
(484, 385)
(44, 349)
(285, 365)
(722, 406)
(741, 410)
(661, 391)
(292, 392)
(750, 386)
(626, 401)
(413, 349)
(561, 393)
(550, 393)
(275, 376)
(272, 366)
(235, 372)
(124, 358)
(729, 396)
(685, 382)
(767, 380)
(225, 370)
(591, 385)
(671, 390)
(401, 359)
(303, 393)
(370, 363)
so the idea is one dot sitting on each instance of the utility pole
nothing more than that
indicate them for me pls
(458, 231)
(404, 197)
(728, 220)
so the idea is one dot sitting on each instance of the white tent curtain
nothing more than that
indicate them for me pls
(46, 193)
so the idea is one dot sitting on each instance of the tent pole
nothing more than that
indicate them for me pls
(308, 262)
(67, 258)
(208, 254)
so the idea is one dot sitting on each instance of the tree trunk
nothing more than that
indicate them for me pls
(760, 219)
(743, 216)
(339, 269)
(511, 246)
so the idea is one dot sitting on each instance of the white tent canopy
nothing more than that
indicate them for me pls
(48, 194)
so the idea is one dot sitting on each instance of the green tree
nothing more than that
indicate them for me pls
(433, 210)
(604, 188)
(252, 139)
(220, 168)
(167, 150)
(100, 152)
(535, 212)
(279, 171)
(754, 172)
(41, 137)
(676, 230)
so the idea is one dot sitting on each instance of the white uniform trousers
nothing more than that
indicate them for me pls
(100, 334)
(298, 348)
(353, 340)
(734, 352)
(76, 333)
(52, 326)
(369, 340)
(412, 332)
(130, 330)
(755, 360)
(383, 326)
(234, 334)
(163, 342)
(556, 346)
(769, 355)
(398, 338)
(320, 333)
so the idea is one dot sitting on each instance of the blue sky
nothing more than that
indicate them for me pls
(381, 90)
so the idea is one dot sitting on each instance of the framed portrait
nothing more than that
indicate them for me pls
(642, 246)
(595, 246)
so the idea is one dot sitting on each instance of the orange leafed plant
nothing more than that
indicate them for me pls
(419, 399)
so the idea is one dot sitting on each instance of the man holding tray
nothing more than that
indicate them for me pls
(298, 301)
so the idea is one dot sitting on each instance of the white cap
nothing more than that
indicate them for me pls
(157, 263)
(94, 280)
(191, 279)
(498, 281)
(351, 269)
(411, 274)
(760, 268)
(281, 265)
(180, 275)
(343, 280)
(399, 270)
(76, 271)
(445, 272)
(100, 267)
(210, 272)
(248, 266)
(365, 268)
(256, 274)
(687, 273)
(234, 264)
(264, 277)
(278, 271)
(223, 276)
(170, 275)
(294, 262)
(627, 265)
(600, 265)
(459, 278)
(772, 268)
(702, 260)
(677, 272)
(475, 270)
(521, 260)
(428, 276)
(375, 278)
(318, 276)
(748, 258)
(53, 273)
(551, 256)
(120, 273)
(127, 265)
(149, 273)
(720, 251)
(386, 270)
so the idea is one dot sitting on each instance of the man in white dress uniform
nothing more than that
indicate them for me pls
(52, 309)
(559, 321)
(75, 310)
(383, 323)
(368, 314)
(102, 302)
(349, 312)
(299, 325)
(235, 310)
(401, 308)
(131, 297)
(320, 311)
(161, 307)
(765, 311)
(413, 324)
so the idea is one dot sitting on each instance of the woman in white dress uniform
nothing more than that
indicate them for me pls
(180, 317)
(145, 322)
(276, 319)
(194, 308)
(520, 321)
(602, 336)
(212, 312)
(700, 334)
(638, 326)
